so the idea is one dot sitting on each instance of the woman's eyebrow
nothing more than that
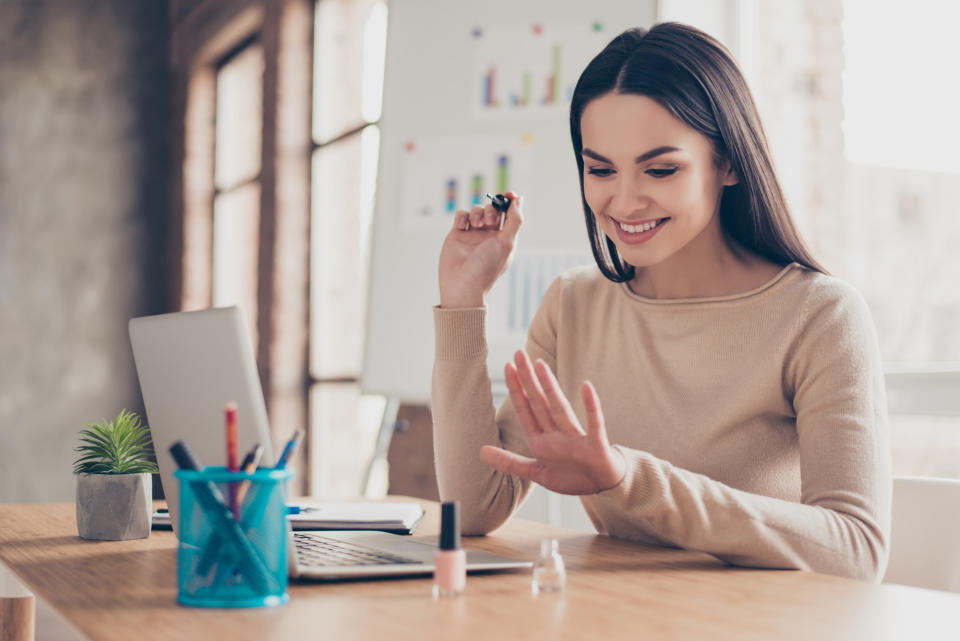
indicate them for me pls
(641, 158)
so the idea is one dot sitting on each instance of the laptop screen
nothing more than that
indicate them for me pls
(190, 365)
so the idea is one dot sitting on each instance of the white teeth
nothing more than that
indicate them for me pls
(636, 229)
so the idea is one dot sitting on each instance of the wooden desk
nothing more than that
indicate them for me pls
(615, 590)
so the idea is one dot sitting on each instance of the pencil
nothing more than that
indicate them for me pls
(233, 465)
(250, 463)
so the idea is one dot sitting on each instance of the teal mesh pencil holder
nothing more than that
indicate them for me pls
(232, 558)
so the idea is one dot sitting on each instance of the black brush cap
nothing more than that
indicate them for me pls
(450, 526)
(500, 202)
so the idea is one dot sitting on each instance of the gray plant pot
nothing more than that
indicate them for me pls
(114, 507)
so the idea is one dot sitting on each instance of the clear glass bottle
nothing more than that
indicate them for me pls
(549, 574)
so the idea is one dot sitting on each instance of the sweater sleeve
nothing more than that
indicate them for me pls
(841, 524)
(465, 419)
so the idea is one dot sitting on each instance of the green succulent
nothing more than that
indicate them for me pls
(120, 446)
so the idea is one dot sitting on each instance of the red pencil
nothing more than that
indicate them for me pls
(233, 464)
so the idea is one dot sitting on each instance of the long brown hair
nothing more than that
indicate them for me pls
(696, 79)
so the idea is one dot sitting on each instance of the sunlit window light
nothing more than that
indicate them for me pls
(369, 154)
(374, 53)
(901, 97)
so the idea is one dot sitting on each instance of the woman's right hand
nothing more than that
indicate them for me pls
(476, 252)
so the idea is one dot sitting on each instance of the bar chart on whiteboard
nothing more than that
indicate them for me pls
(515, 297)
(444, 174)
(531, 68)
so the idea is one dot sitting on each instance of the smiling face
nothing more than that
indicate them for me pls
(651, 180)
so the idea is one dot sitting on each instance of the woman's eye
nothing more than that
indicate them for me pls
(662, 173)
(597, 171)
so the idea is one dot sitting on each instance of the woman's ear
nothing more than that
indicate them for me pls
(728, 177)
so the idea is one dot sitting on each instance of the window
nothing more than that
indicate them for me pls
(349, 48)
(236, 201)
(861, 115)
(903, 186)
(241, 82)
(901, 134)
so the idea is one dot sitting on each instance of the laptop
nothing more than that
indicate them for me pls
(190, 364)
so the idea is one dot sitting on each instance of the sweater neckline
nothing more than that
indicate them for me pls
(790, 270)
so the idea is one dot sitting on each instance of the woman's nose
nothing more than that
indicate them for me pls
(630, 197)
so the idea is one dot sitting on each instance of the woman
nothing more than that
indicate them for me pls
(710, 386)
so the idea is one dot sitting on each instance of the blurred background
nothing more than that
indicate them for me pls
(158, 156)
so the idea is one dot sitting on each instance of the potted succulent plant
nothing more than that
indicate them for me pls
(114, 488)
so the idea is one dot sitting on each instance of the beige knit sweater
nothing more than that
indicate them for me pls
(753, 425)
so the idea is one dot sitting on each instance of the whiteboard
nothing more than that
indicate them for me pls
(475, 94)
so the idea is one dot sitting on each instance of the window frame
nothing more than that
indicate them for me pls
(203, 36)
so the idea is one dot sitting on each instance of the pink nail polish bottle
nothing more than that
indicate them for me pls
(450, 561)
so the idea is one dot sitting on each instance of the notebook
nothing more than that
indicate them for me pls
(397, 518)
(190, 364)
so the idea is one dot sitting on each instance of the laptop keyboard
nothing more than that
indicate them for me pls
(317, 550)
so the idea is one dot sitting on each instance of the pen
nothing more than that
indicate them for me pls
(249, 466)
(230, 416)
(252, 459)
(289, 449)
(301, 509)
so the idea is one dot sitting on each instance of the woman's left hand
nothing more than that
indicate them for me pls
(566, 459)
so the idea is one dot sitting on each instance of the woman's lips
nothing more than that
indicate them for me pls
(636, 238)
